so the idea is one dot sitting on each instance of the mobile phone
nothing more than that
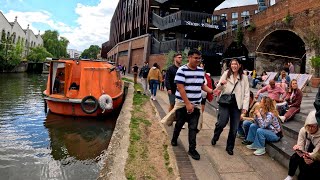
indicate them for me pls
(299, 151)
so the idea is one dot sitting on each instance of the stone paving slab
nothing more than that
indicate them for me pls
(215, 163)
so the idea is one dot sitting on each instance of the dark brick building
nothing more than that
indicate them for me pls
(142, 30)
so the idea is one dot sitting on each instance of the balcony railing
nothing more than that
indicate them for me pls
(207, 48)
(161, 1)
(186, 18)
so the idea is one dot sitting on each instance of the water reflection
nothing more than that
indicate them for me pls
(35, 145)
(81, 138)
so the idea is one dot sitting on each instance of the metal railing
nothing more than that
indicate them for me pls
(186, 18)
(206, 47)
(161, 1)
(231, 30)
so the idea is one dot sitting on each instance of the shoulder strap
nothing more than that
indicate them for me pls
(234, 87)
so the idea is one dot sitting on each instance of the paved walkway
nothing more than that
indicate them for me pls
(215, 163)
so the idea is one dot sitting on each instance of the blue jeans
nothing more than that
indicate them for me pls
(255, 82)
(153, 86)
(240, 129)
(246, 125)
(259, 136)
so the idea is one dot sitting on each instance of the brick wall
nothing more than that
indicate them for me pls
(157, 58)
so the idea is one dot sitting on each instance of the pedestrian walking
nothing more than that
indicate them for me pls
(190, 80)
(154, 78)
(169, 82)
(234, 98)
(124, 70)
(144, 75)
(135, 69)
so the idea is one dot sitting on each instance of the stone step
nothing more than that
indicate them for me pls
(282, 150)
(292, 128)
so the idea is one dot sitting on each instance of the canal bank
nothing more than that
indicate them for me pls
(215, 163)
(139, 147)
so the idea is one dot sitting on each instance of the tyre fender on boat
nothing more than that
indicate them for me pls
(91, 100)
(105, 102)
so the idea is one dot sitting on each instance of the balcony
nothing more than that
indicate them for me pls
(187, 18)
(207, 48)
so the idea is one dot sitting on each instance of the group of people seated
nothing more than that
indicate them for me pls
(262, 123)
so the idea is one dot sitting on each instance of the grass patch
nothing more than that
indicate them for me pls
(167, 158)
(126, 79)
(139, 164)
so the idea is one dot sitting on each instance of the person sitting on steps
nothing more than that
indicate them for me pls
(307, 147)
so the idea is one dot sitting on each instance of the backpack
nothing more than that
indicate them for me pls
(145, 71)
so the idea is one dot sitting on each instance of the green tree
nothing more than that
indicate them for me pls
(10, 53)
(15, 54)
(91, 53)
(55, 44)
(38, 54)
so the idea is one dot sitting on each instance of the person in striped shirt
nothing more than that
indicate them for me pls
(190, 81)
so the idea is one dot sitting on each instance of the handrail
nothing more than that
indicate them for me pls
(231, 29)
(185, 18)
(206, 47)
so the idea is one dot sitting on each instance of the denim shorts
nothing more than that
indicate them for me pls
(172, 99)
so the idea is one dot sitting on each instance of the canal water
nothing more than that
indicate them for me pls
(36, 145)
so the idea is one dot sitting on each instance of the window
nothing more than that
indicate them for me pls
(234, 15)
(123, 53)
(245, 14)
(234, 22)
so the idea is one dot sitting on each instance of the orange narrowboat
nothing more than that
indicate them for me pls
(83, 88)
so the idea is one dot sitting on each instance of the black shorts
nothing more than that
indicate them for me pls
(203, 101)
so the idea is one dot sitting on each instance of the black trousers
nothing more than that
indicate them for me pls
(307, 172)
(182, 117)
(225, 113)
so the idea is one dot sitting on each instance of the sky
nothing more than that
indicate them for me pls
(82, 22)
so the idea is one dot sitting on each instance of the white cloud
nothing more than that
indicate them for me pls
(93, 23)
(234, 3)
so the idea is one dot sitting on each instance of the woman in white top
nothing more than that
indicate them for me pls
(232, 79)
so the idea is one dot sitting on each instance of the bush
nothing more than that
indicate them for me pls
(315, 63)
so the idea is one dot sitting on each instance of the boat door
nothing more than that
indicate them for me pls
(57, 75)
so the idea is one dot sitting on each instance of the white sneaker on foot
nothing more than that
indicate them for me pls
(154, 98)
(282, 118)
(289, 178)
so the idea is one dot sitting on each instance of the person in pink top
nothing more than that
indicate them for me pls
(274, 92)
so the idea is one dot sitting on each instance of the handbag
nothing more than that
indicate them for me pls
(226, 99)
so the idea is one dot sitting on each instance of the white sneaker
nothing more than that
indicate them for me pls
(154, 98)
(289, 178)
(282, 118)
(151, 97)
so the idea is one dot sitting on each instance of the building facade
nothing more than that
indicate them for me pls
(236, 15)
(18, 34)
(143, 30)
(73, 53)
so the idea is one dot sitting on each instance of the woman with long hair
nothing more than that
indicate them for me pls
(266, 127)
(293, 101)
(233, 82)
(283, 79)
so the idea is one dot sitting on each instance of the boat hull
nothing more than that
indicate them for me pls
(74, 109)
